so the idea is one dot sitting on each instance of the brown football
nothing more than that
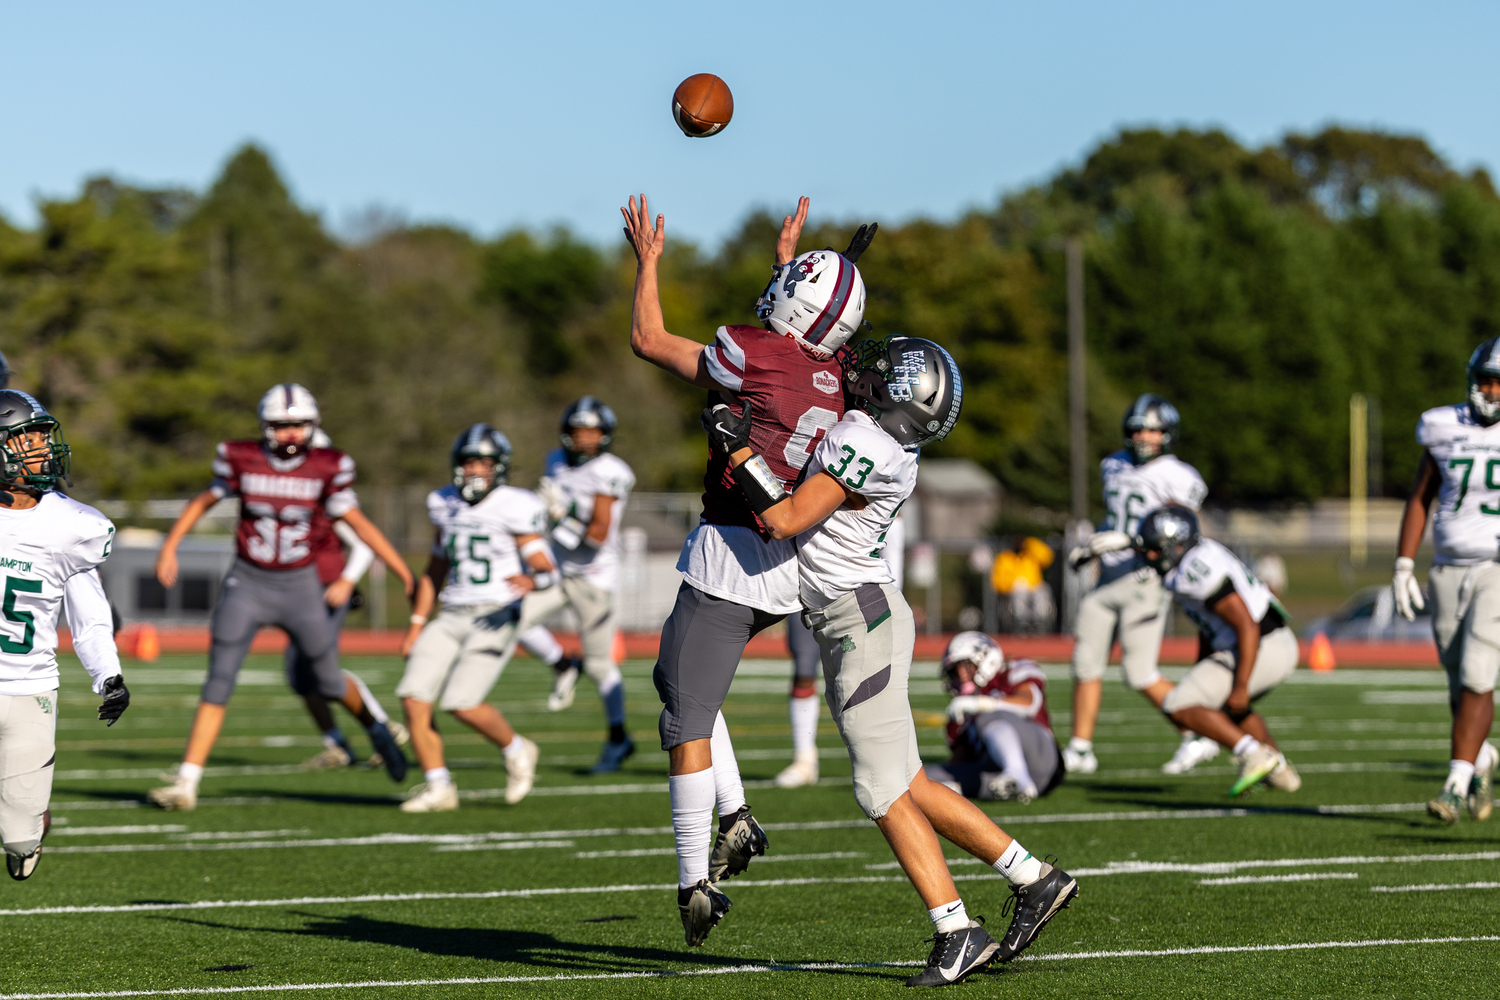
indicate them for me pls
(702, 105)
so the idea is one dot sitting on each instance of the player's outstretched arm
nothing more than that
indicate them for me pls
(166, 559)
(425, 597)
(649, 338)
(375, 539)
(1408, 592)
(791, 233)
(783, 514)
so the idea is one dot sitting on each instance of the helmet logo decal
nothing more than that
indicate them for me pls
(829, 317)
(825, 382)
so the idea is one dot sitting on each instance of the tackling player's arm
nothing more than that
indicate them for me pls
(784, 514)
(166, 559)
(376, 540)
(1408, 592)
(538, 557)
(1233, 610)
(427, 589)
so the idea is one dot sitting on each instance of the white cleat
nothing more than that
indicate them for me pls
(179, 795)
(521, 769)
(399, 733)
(564, 684)
(1285, 778)
(431, 798)
(802, 771)
(1079, 763)
(1004, 788)
(329, 759)
(1190, 753)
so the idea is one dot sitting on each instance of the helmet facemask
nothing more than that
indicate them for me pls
(587, 414)
(1484, 366)
(909, 386)
(479, 441)
(287, 449)
(36, 457)
(1150, 412)
(474, 485)
(1165, 535)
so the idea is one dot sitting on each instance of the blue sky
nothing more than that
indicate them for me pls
(490, 115)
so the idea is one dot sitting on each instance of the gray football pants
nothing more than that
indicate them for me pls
(299, 666)
(291, 599)
(1466, 625)
(1040, 758)
(803, 646)
(1135, 606)
(28, 747)
(866, 638)
(596, 619)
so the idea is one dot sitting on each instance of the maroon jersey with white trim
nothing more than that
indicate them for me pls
(1010, 679)
(797, 398)
(286, 506)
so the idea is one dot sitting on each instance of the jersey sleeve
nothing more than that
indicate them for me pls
(725, 360)
(226, 474)
(1027, 672)
(1435, 426)
(1199, 576)
(94, 537)
(615, 480)
(525, 514)
(864, 460)
(1188, 487)
(92, 626)
(340, 497)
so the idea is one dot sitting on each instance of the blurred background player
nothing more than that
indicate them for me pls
(1461, 447)
(737, 580)
(1252, 648)
(52, 546)
(998, 726)
(290, 496)
(1128, 599)
(584, 488)
(342, 562)
(486, 534)
(803, 704)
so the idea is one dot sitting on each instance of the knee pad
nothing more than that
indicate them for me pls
(604, 672)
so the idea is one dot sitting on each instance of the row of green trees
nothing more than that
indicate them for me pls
(1257, 288)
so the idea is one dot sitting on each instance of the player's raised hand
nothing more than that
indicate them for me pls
(646, 241)
(791, 232)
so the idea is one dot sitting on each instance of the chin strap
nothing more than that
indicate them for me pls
(760, 484)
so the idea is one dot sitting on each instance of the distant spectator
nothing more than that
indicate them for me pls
(1271, 569)
(1018, 575)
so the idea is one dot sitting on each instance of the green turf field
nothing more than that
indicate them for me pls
(316, 878)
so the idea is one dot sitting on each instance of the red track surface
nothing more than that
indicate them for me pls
(643, 645)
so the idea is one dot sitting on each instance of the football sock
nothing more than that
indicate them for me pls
(541, 643)
(692, 823)
(1081, 746)
(1188, 736)
(369, 699)
(514, 747)
(612, 693)
(438, 776)
(1018, 866)
(728, 787)
(1460, 773)
(1004, 745)
(949, 917)
(804, 716)
(1247, 745)
(190, 774)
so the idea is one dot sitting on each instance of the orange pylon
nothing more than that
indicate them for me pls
(1320, 657)
(147, 643)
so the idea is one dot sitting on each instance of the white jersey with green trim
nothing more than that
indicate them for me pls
(1466, 522)
(844, 551)
(479, 541)
(1207, 574)
(1131, 491)
(606, 474)
(42, 549)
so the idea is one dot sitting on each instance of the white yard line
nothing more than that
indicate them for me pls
(734, 969)
(650, 852)
(1435, 887)
(1303, 877)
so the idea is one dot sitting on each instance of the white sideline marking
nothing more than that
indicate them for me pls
(734, 970)
(647, 852)
(1218, 772)
(1424, 696)
(246, 771)
(1435, 887)
(1304, 877)
(99, 831)
(1226, 867)
(513, 845)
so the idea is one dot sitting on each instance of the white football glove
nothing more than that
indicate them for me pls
(966, 705)
(1409, 599)
(558, 504)
(1098, 544)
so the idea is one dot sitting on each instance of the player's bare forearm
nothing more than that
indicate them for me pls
(380, 545)
(428, 585)
(166, 557)
(813, 501)
(540, 559)
(1233, 610)
(1414, 517)
(603, 513)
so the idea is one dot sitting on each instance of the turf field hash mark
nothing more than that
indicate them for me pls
(1435, 887)
(1303, 877)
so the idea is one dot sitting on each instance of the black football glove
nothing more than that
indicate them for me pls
(116, 700)
(727, 431)
(860, 242)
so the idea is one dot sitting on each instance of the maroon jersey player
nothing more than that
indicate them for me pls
(290, 495)
(737, 580)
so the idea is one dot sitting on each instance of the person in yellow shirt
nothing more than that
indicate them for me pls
(1017, 573)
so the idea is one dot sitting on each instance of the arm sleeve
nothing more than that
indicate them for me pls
(528, 516)
(92, 626)
(226, 477)
(360, 556)
(341, 497)
(726, 360)
(1192, 491)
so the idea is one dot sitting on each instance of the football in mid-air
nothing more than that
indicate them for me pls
(702, 105)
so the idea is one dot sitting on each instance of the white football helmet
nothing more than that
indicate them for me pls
(818, 300)
(976, 648)
(287, 403)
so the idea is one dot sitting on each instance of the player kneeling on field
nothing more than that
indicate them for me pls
(52, 545)
(998, 727)
(1244, 626)
(904, 393)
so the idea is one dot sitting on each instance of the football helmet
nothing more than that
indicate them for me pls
(911, 387)
(1485, 361)
(1150, 412)
(287, 403)
(5, 372)
(586, 412)
(35, 456)
(1168, 532)
(976, 648)
(480, 441)
(818, 299)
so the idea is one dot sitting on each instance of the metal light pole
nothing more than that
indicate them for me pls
(1078, 431)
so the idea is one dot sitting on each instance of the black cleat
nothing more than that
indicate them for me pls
(955, 955)
(702, 906)
(390, 753)
(1033, 906)
(21, 867)
(733, 850)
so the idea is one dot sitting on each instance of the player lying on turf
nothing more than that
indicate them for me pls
(291, 494)
(998, 727)
(1465, 576)
(52, 545)
(1128, 599)
(486, 534)
(737, 579)
(1250, 647)
(906, 393)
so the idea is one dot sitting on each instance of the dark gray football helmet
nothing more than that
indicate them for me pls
(911, 387)
(1165, 535)
(586, 412)
(480, 441)
(1150, 412)
(5, 372)
(1485, 361)
(35, 456)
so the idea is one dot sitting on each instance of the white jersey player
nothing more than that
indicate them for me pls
(1128, 599)
(904, 393)
(1460, 470)
(50, 547)
(585, 487)
(488, 536)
